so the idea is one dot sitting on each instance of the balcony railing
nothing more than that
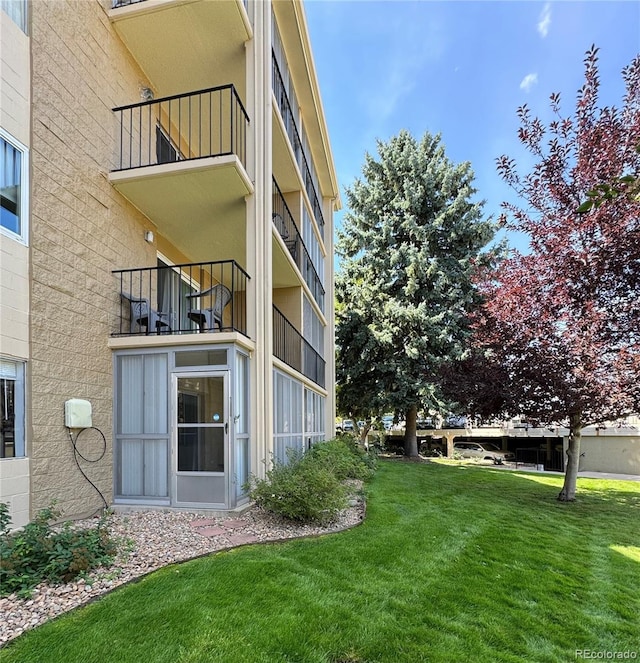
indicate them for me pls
(292, 131)
(290, 234)
(196, 125)
(182, 299)
(294, 350)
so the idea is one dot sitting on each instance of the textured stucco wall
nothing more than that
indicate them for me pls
(81, 230)
(619, 454)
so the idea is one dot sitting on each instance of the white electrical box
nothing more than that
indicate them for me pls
(77, 413)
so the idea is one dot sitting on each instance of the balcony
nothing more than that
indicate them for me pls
(180, 160)
(185, 45)
(294, 350)
(191, 298)
(293, 135)
(288, 231)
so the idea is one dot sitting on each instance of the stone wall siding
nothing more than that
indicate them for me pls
(82, 229)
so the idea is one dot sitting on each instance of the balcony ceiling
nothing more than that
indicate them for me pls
(197, 205)
(285, 169)
(284, 273)
(184, 45)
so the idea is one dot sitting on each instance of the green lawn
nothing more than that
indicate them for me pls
(453, 563)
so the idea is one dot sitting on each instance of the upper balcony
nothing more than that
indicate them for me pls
(288, 231)
(181, 161)
(185, 44)
(290, 135)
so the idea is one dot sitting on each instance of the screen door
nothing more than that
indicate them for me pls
(200, 444)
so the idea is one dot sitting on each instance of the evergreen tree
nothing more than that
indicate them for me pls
(411, 240)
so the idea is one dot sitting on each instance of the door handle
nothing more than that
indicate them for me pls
(226, 427)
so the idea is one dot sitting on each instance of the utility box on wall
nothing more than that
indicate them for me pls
(77, 413)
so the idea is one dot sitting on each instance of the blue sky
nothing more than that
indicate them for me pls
(461, 69)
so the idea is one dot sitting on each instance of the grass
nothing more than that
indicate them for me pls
(453, 564)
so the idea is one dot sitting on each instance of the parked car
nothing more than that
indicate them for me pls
(387, 421)
(455, 421)
(484, 451)
(425, 424)
(347, 426)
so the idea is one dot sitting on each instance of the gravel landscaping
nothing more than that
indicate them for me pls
(150, 540)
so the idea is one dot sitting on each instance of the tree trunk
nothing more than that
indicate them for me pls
(410, 437)
(568, 492)
(364, 431)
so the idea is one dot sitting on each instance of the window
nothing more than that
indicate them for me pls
(11, 409)
(314, 417)
(241, 420)
(166, 150)
(141, 427)
(16, 10)
(298, 416)
(173, 288)
(13, 187)
(313, 261)
(287, 416)
(313, 328)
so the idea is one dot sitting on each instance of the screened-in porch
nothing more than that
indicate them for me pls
(182, 432)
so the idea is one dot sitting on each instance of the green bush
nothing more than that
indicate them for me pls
(302, 490)
(344, 457)
(309, 487)
(38, 553)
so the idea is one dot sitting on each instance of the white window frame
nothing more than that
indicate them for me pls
(288, 415)
(314, 419)
(23, 235)
(13, 369)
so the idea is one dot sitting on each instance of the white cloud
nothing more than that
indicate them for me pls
(545, 20)
(528, 82)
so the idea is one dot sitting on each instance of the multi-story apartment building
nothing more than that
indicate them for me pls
(166, 240)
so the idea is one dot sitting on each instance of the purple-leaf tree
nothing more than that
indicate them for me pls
(563, 321)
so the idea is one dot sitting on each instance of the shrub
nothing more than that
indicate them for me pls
(38, 553)
(302, 489)
(344, 457)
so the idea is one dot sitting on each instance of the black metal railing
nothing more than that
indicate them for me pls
(288, 118)
(205, 123)
(283, 220)
(294, 350)
(551, 460)
(182, 299)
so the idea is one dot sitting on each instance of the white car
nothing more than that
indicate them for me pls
(387, 421)
(484, 451)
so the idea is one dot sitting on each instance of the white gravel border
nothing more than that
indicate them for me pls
(157, 538)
